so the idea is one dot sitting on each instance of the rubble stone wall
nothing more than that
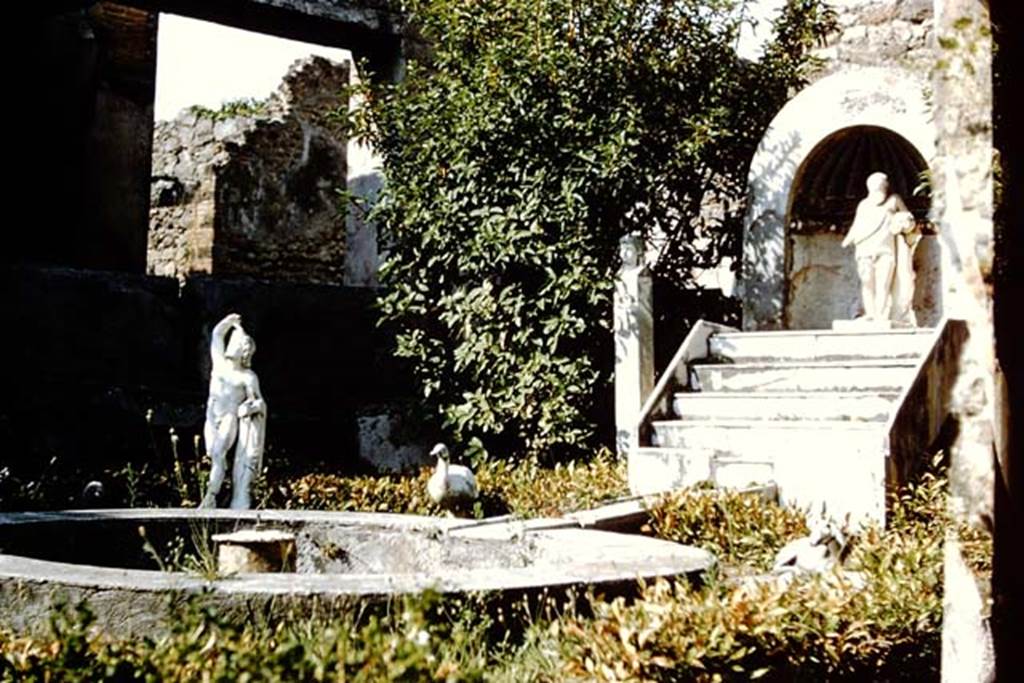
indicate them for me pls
(891, 33)
(252, 190)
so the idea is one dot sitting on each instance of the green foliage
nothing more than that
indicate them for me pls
(818, 628)
(523, 488)
(739, 528)
(244, 106)
(413, 639)
(534, 136)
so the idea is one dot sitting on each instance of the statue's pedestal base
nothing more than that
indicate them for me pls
(862, 325)
(865, 325)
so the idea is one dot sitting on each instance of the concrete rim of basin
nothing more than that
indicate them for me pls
(601, 557)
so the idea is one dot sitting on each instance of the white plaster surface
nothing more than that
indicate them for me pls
(967, 650)
(833, 419)
(823, 284)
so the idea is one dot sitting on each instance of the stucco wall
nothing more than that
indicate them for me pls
(886, 97)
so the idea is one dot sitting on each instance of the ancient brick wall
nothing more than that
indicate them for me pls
(83, 123)
(253, 191)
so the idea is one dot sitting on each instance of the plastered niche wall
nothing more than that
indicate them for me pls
(877, 97)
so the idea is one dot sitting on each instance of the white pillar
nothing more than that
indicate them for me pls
(634, 342)
(364, 180)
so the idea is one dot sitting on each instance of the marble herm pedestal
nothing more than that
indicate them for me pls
(634, 342)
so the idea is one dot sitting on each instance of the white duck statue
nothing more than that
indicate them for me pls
(450, 483)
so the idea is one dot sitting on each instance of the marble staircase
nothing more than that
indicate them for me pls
(827, 416)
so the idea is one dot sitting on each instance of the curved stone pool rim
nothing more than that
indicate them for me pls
(28, 586)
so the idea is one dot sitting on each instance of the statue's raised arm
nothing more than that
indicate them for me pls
(218, 338)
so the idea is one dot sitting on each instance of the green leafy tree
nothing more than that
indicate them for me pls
(531, 136)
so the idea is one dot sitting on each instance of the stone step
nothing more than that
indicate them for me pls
(819, 345)
(762, 440)
(654, 470)
(867, 406)
(888, 375)
(838, 464)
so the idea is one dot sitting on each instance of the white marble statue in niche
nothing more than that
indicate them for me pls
(884, 234)
(236, 414)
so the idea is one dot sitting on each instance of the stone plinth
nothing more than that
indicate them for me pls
(863, 325)
(255, 551)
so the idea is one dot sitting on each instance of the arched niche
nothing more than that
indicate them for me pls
(821, 275)
(884, 110)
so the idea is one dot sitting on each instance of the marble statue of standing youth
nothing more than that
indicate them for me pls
(235, 413)
(883, 235)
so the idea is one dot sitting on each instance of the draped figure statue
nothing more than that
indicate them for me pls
(236, 414)
(884, 234)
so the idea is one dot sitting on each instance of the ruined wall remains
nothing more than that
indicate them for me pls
(889, 33)
(251, 190)
(964, 200)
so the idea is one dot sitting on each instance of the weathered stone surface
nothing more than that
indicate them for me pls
(967, 649)
(255, 550)
(890, 33)
(634, 342)
(963, 188)
(834, 418)
(380, 446)
(341, 557)
(258, 190)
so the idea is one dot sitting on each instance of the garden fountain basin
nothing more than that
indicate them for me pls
(342, 557)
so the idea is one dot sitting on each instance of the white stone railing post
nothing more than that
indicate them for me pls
(634, 342)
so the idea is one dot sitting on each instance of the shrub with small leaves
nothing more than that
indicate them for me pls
(413, 639)
(885, 626)
(530, 137)
(525, 488)
(739, 528)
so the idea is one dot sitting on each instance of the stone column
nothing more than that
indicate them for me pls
(962, 189)
(634, 342)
